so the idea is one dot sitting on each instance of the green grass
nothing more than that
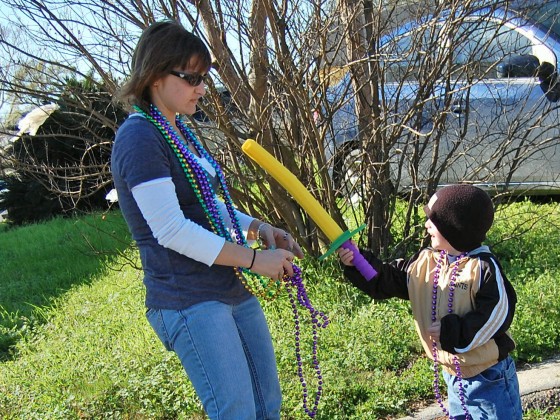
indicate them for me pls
(72, 316)
(43, 261)
(550, 414)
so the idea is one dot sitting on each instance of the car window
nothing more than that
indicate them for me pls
(405, 56)
(546, 16)
(479, 45)
(476, 47)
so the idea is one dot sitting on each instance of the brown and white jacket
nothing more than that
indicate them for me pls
(483, 304)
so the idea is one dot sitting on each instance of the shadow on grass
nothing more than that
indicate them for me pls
(41, 262)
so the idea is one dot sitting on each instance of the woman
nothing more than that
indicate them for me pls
(192, 245)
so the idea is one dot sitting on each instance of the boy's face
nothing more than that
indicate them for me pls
(437, 240)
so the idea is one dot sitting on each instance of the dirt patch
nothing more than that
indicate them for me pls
(541, 400)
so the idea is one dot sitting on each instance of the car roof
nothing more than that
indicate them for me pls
(514, 13)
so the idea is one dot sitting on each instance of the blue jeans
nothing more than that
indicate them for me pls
(490, 395)
(227, 353)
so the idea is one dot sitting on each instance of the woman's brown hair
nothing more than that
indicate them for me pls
(162, 47)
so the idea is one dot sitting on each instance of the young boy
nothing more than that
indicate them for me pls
(462, 304)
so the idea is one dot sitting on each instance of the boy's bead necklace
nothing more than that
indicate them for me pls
(204, 191)
(456, 362)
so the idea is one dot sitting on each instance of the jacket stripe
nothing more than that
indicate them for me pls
(497, 317)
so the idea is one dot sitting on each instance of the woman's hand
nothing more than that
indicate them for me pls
(273, 237)
(273, 263)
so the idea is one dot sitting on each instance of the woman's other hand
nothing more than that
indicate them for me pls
(272, 237)
(273, 263)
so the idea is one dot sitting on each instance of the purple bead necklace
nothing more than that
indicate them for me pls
(318, 320)
(201, 184)
(456, 362)
(269, 289)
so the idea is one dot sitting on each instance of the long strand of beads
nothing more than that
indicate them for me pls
(456, 362)
(318, 320)
(202, 186)
(270, 288)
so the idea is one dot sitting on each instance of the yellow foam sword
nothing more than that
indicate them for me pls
(316, 212)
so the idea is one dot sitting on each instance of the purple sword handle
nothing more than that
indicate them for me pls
(360, 262)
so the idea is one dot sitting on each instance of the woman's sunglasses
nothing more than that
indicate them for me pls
(190, 78)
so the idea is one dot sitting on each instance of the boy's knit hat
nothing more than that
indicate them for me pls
(463, 214)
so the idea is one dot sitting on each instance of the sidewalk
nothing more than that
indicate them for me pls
(539, 385)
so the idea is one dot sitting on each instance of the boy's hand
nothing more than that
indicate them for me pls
(434, 330)
(346, 256)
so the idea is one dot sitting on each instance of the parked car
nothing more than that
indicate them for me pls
(495, 105)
